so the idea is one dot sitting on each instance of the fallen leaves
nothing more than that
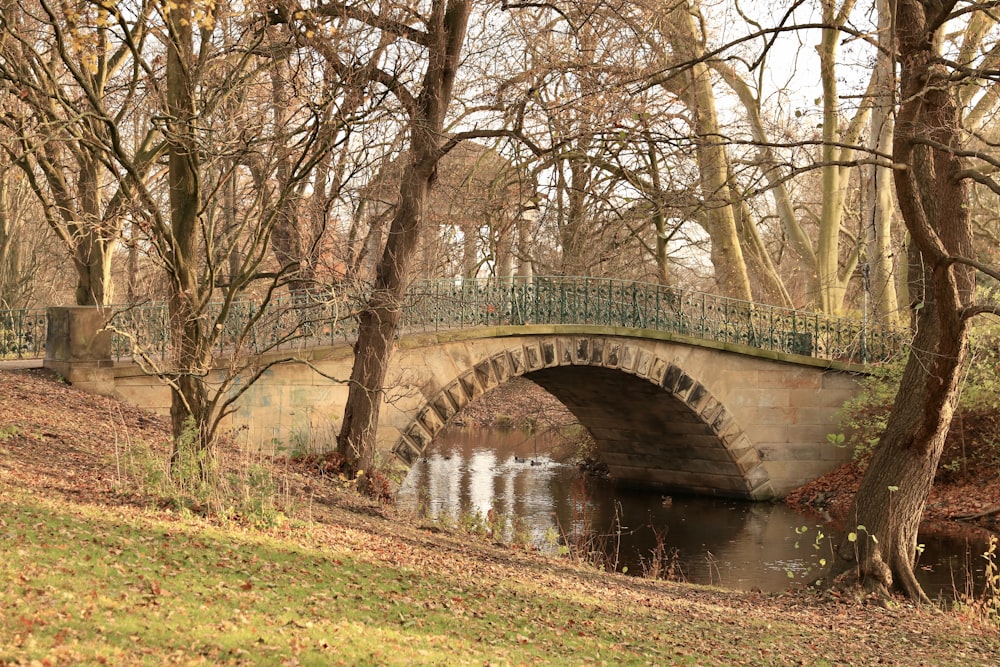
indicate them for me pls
(85, 570)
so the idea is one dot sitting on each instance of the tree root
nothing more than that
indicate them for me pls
(907, 580)
(872, 578)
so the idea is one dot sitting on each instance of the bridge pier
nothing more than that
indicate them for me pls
(78, 347)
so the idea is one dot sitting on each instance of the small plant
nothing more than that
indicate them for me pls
(503, 421)
(192, 483)
(497, 522)
(375, 485)
(8, 432)
(252, 493)
(582, 542)
(553, 543)
(985, 606)
(297, 447)
(865, 415)
(664, 562)
(521, 532)
(588, 457)
(818, 560)
(529, 424)
(852, 536)
(473, 523)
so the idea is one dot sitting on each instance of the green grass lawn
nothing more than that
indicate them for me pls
(90, 584)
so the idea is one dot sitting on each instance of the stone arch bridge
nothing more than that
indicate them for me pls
(742, 413)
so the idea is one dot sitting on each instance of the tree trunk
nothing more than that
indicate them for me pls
(379, 321)
(775, 174)
(713, 168)
(891, 499)
(188, 403)
(933, 199)
(573, 223)
(11, 278)
(525, 248)
(878, 187)
(834, 182)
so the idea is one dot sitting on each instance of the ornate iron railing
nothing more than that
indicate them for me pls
(454, 304)
(22, 333)
(610, 302)
(286, 323)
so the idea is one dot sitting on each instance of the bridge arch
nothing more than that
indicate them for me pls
(654, 423)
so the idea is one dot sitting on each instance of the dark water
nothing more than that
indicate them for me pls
(728, 543)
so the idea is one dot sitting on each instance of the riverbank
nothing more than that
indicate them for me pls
(966, 491)
(94, 569)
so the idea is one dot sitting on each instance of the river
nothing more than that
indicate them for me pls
(505, 475)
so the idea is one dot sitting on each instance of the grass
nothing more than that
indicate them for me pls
(82, 586)
(90, 584)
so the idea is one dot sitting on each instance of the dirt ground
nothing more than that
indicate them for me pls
(966, 490)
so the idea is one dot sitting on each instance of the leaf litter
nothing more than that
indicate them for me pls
(91, 570)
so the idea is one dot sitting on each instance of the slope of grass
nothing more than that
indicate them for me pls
(92, 571)
(85, 584)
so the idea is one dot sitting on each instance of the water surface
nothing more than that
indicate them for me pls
(735, 544)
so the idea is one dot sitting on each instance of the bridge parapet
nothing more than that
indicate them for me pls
(438, 305)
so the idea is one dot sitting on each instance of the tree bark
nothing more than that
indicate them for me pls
(933, 200)
(878, 184)
(713, 163)
(189, 397)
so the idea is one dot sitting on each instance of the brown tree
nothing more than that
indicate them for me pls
(437, 31)
(932, 189)
(49, 116)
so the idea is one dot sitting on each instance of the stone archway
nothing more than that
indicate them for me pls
(677, 436)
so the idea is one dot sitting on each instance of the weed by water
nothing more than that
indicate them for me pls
(663, 562)
(983, 605)
(473, 523)
(581, 542)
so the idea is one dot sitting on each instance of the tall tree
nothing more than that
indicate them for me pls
(694, 85)
(932, 188)
(222, 134)
(193, 98)
(59, 59)
(881, 257)
(436, 30)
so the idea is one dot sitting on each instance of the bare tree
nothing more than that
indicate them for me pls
(932, 187)
(58, 60)
(436, 33)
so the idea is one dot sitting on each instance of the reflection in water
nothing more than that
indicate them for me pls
(707, 540)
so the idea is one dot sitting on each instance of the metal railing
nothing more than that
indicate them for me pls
(455, 304)
(433, 305)
(22, 333)
(286, 323)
